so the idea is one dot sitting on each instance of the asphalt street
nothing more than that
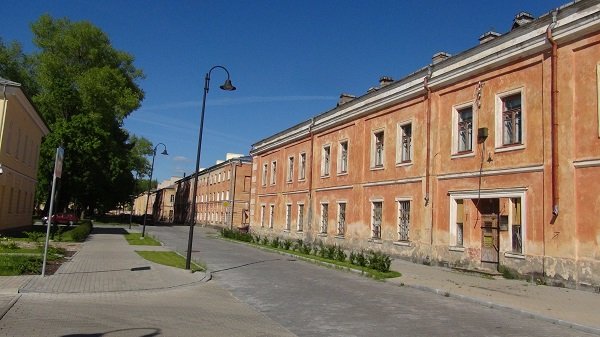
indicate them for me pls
(312, 300)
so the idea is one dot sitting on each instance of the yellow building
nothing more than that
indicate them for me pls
(21, 132)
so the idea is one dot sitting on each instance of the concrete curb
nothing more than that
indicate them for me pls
(7, 308)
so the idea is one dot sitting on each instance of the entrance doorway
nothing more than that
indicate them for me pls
(489, 209)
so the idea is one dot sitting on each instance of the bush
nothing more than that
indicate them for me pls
(330, 252)
(379, 261)
(80, 232)
(340, 255)
(306, 249)
(358, 259)
(286, 244)
(236, 235)
(265, 241)
(275, 242)
(34, 236)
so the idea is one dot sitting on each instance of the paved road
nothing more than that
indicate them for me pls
(312, 300)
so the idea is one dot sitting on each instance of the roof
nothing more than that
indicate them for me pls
(243, 159)
(4, 81)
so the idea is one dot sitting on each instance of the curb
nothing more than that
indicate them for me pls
(7, 308)
(489, 304)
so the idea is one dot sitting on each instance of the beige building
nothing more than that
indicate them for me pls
(164, 193)
(222, 197)
(21, 132)
(488, 159)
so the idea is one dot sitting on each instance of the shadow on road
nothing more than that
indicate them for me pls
(150, 333)
(109, 230)
(243, 265)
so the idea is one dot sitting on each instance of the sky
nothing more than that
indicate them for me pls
(290, 60)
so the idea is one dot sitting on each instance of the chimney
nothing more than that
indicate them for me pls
(439, 57)
(385, 80)
(521, 19)
(488, 36)
(345, 98)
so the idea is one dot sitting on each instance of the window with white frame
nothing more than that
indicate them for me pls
(516, 226)
(377, 151)
(262, 216)
(510, 132)
(288, 216)
(264, 174)
(324, 218)
(377, 211)
(271, 215)
(404, 154)
(290, 172)
(403, 220)
(302, 172)
(459, 223)
(343, 157)
(341, 225)
(273, 172)
(464, 129)
(300, 219)
(325, 160)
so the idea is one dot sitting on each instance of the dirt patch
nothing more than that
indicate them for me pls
(52, 266)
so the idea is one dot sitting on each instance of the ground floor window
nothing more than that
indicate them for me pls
(288, 217)
(271, 215)
(516, 234)
(377, 217)
(300, 222)
(460, 220)
(324, 217)
(341, 227)
(403, 220)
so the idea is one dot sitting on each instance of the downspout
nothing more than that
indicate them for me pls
(554, 114)
(3, 114)
(428, 116)
(310, 173)
(232, 189)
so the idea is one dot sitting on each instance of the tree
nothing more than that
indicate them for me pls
(17, 67)
(86, 89)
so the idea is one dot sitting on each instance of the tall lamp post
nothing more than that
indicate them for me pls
(150, 184)
(228, 87)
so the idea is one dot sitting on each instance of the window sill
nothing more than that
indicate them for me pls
(298, 231)
(300, 180)
(322, 234)
(376, 240)
(286, 230)
(376, 168)
(514, 255)
(289, 181)
(506, 148)
(404, 163)
(339, 236)
(463, 155)
(402, 243)
(325, 176)
(456, 249)
(342, 173)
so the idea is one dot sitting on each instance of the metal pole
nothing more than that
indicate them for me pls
(148, 194)
(48, 225)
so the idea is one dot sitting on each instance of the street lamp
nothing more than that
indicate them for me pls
(228, 87)
(150, 185)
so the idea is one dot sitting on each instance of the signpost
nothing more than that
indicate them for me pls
(58, 162)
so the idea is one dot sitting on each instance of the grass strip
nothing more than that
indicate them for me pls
(136, 240)
(171, 259)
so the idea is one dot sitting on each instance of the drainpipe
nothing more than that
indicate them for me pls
(232, 189)
(310, 173)
(554, 114)
(3, 115)
(428, 116)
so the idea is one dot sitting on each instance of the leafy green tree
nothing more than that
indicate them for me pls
(86, 89)
(17, 67)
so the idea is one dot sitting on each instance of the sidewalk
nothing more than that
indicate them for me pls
(569, 307)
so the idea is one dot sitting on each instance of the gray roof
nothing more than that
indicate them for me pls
(4, 81)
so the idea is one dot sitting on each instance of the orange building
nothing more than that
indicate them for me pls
(222, 197)
(488, 159)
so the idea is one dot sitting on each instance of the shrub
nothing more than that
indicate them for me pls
(298, 245)
(306, 248)
(379, 261)
(236, 235)
(275, 242)
(256, 239)
(330, 252)
(358, 259)
(286, 244)
(34, 236)
(265, 241)
(340, 255)
(80, 232)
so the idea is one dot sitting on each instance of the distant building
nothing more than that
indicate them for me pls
(488, 159)
(21, 132)
(222, 197)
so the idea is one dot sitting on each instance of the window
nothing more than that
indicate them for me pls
(290, 173)
(288, 217)
(229, 175)
(377, 149)
(172, 198)
(302, 173)
(262, 216)
(516, 233)
(343, 157)
(300, 220)
(341, 227)
(403, 220)
(324, 218)
(226, 195)
(377, 216)
(465, 129)
(264, 175)
(405, 146)
(273, 172)
(460, 219)
(511, 120)
(219, 178)
(325, 160)
(271, 215)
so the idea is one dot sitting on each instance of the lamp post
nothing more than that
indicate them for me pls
(228, 87)
(150, 185)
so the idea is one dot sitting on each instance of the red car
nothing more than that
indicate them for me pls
(62, 218)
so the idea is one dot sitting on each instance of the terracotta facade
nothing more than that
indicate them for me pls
(489, 159)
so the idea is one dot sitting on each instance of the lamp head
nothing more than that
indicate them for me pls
(165, 152)
(227, 85)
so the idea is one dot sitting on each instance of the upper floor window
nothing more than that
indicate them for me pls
(264, 175)
(405, 143)
(325, 160)
(343, 157)
(465, 129)
(290, 172)
(511, 120)
(302, 172)
(273, 172)
(377, 149)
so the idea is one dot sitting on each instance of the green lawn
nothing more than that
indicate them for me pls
(168, 259)
(25, 261)
(136, 239)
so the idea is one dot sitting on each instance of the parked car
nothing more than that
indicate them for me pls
(62, 218)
